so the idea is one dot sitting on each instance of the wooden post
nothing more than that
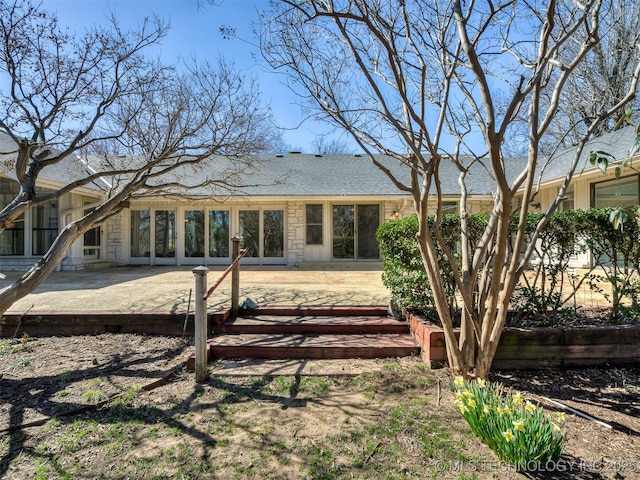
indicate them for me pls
(200, 274)
(235, 278)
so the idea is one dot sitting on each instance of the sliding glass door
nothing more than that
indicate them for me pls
(354, 232)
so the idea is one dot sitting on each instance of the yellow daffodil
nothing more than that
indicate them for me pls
(481, 382)
(471, 403)
(458, 396)
(499, 410)
(507, 410)
(556, 428)
(518, 426)
(462, 408)
(467, 394)
(561, 417)
(486, 408)
(517, 399)
(458, 381)
(508, 435)
(530, 407)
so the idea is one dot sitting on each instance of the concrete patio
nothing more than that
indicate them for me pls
(167, 289)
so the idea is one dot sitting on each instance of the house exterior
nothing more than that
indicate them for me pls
(300, 208)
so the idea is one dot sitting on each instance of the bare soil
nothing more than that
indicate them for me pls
(59, 376)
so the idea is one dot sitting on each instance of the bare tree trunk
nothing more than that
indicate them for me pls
(41, 270)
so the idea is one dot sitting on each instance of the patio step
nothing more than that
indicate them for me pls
(325, 346)
(313, 325)
(310, 333)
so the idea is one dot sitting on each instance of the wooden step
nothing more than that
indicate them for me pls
(312, 346)
(308, 325)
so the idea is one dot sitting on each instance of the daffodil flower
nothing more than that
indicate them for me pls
(467, 394)
(481, 382)
(471, 403)
(486, 408)
(561, 417)
(508, 435)
(458, 381)
(517, 399)
(518, 426)
(530, 407)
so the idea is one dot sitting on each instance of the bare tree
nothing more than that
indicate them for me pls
(97, 107)
(604, 78)
(428, 82)
(326, 146)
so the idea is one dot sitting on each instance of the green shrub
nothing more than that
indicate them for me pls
(404, 273)
(547, 292)
(517, 431)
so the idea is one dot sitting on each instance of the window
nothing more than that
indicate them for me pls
(44, 224)
(194, 233)
(42, 219)
(219, 233)
(314, 224)
(616, 193)
(165, 233)
(92, 238)
(449, 208)
(273, 233)
(567, 203)
(11, 239)
(250, 231)
(140, 233)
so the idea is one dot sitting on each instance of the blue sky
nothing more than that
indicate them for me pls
(195, 32)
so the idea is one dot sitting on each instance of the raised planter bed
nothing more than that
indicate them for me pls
(534, 348)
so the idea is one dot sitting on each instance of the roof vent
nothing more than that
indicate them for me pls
(318, 155)
(357, 155)
(295, 152)
(279, 155)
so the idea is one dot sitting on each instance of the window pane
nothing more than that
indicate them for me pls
(140, 233)
(449, 207)
(91, 239)
(45, 226)
(11, 239)
(314, 214)
(219, 233)
(165, 233)
(250, 231)
(314, 224)
(567, 203)
(617, 193)
(194, 233)
(368, 221)
(314, 234)
(273, 226)
(343, 231)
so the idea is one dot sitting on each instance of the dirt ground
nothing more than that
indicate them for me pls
(59, 376)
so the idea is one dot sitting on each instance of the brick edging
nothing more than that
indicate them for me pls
(533, 348)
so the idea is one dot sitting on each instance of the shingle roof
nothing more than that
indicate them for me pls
(308, 175)
(67, 170)
(354, 175)
(616, 143)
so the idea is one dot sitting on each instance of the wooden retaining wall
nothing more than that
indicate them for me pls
(533, 348)
(83, 323)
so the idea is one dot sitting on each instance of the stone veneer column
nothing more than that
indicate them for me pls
(114, 239)
(295, 232)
